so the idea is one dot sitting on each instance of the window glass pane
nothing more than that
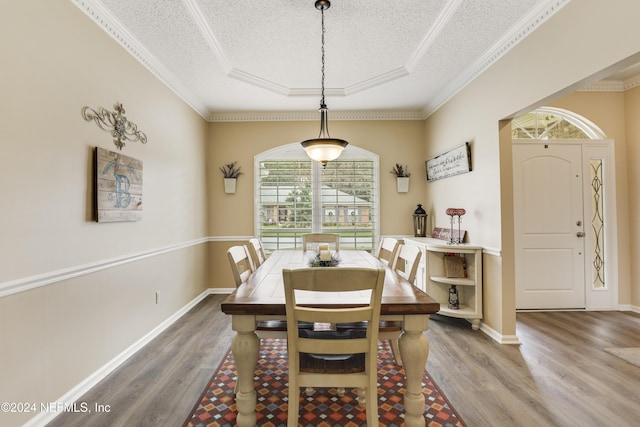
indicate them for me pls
(597, 224)
(348, 202)
(284, 199)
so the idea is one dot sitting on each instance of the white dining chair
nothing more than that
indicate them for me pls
(316, 238)
(387, 250)
(256, 250)
(333, 360)
(241, 264)
(242, 268)
(406, 265)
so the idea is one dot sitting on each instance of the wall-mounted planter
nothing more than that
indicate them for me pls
(230, 185)
(403, 184)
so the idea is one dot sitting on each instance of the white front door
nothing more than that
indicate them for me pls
(549, 226)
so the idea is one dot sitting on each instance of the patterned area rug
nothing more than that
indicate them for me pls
(324, 408)
(630, 354)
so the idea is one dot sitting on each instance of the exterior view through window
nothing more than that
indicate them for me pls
(296, 196)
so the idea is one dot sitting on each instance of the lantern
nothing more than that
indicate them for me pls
(419, 222)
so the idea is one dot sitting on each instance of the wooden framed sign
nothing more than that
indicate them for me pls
(118, 187)
(450, 163)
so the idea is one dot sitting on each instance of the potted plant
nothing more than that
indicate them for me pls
(402, 176)
(231, 174)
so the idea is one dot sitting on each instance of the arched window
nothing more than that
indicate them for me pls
(294, 196)
(554, 123)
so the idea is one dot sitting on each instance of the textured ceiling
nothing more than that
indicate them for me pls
(400, 58)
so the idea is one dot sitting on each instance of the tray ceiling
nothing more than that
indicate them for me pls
(393, 59)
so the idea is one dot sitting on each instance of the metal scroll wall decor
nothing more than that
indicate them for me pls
(116, 123)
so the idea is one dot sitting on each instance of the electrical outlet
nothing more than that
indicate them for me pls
(157, 297)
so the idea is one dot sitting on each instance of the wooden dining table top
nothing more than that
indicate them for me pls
(263, 292)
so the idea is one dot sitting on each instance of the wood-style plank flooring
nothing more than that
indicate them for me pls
(559, 376)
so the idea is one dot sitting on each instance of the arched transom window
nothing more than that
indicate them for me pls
(554, 123)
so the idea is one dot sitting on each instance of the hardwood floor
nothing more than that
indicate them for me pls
(559, 376)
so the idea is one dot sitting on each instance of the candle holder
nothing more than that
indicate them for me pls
(453, 212)
(419, 222)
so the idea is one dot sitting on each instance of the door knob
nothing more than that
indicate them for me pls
(580, 234)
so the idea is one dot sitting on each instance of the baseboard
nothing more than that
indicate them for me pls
(83, 387)
(497, 336)
(220, 291)
(629, 307)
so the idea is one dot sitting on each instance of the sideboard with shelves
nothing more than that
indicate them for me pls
(437, 283)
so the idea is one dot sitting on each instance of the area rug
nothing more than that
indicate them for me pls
(216, 407)
(630, 354)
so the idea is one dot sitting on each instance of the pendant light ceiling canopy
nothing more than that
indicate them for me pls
(323, 148)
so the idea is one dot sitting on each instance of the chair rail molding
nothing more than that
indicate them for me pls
(31, 282)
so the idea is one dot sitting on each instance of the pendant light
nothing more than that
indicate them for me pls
(323, 148)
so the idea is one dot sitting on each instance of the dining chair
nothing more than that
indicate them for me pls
(388, 250)
(242, 268)
(333, 359)
(406, 265)
(241, 264)
(315, 238)
(257, 252)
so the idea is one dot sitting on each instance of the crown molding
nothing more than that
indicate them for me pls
(604, 86)
(613, 85)
(296, 116)
(531, 22)
(105, 20)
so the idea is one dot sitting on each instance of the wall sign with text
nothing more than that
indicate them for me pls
(450, 163)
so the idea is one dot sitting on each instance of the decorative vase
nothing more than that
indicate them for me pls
(230, 185)
(403, 184)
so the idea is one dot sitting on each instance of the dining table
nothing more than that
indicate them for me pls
(261, 297)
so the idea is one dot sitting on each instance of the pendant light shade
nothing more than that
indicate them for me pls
(323, 148)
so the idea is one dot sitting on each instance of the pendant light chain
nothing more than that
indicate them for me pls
(322, 104)
(323, 148)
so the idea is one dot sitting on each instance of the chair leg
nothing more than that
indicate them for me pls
(395, 349)
(362, 396)
(293, 410)
(372, 405)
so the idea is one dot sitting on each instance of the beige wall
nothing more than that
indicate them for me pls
(517, 83)
(632, 112)
(232, 214)
(607, 111)
(55, 60)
